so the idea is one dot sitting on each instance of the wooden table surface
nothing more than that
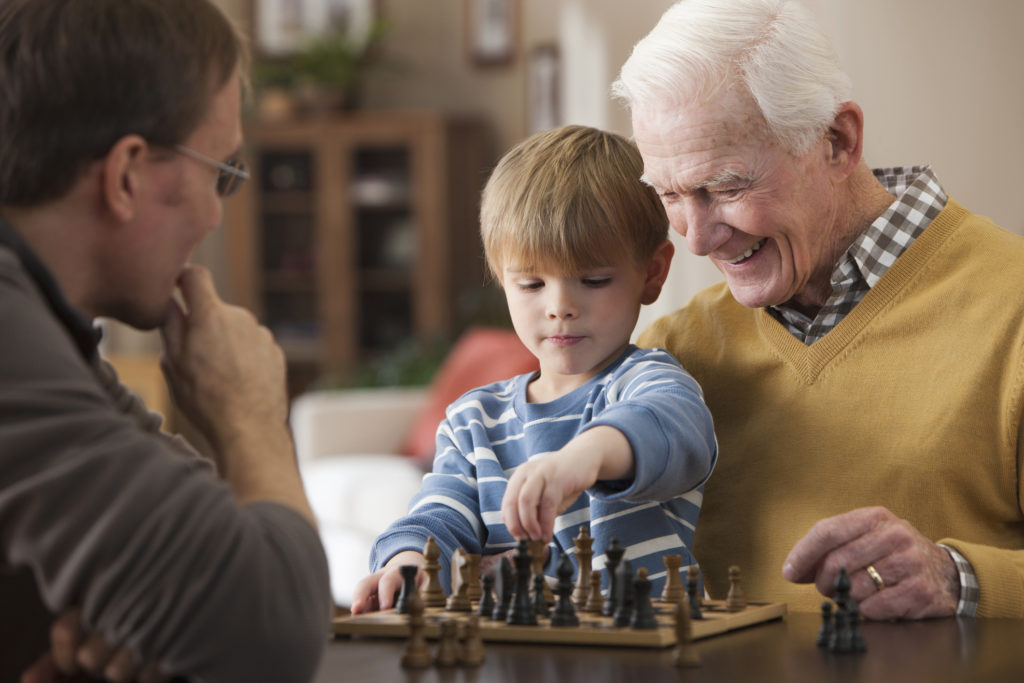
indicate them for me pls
(982, 650)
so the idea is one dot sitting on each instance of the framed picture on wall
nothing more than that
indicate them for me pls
(280, 27)
(544, 89)
(492, 31)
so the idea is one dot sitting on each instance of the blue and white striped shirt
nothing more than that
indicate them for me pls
(490, 431)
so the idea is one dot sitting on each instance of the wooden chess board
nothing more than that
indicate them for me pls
(594, 629)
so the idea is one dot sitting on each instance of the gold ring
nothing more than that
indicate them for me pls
(876, 578)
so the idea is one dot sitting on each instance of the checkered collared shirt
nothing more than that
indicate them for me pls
(920, 198)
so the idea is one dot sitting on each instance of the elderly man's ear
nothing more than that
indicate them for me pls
(846, 138)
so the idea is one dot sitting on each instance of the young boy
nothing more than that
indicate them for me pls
(605, 435)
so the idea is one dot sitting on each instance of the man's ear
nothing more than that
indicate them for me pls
(657, 272)
(123, 176)
(846, 138)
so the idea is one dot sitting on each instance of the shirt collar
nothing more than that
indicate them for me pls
(85, 335)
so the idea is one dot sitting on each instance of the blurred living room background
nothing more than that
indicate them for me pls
(371, 128)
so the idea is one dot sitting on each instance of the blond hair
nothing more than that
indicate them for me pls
(570, 198)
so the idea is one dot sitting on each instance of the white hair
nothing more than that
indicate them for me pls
(773, 48)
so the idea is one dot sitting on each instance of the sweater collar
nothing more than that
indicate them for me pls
(85, 335)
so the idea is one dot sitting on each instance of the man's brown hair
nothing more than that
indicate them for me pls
(78, 75)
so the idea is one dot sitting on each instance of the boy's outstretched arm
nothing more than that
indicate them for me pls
(377, 591)
(545, 486)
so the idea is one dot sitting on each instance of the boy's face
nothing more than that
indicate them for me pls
(575, 325)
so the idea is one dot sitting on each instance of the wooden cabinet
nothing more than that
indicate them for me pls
(357, 234)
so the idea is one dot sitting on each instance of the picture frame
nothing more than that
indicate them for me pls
(544, 95)
(492, 31)
(281, 27)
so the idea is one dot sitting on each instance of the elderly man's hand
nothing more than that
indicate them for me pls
(919, 578)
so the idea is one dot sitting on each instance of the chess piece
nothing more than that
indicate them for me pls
(564, 613)
(584, 552)
(595, 601)
(842, 589)
(503, 589)
(537, 548)
(692, 593)
(486, 606)
(473, 576)
(643, 611)
(684, 655)
(841, 641)
(448, 644)
(432, 593)
(857, 643)
(624, 599)
(472, 650)
(735, 601)
(521, 612)
(673, 591)
(458, 601)
(408, 589)
(613, 556)
(826, 630)
(416, 655)
(540, 605)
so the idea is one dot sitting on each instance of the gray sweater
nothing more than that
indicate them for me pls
(101, 510)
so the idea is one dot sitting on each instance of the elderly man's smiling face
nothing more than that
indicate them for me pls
(765, 217)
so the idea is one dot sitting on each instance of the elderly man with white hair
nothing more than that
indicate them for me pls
(864, 357)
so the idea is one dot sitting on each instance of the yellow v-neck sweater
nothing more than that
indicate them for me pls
(912, 402)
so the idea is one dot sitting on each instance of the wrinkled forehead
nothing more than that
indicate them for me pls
(696, 133)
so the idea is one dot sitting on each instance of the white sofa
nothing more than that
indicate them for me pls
(348, 444)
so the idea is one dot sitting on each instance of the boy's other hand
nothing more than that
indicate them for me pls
(377, 591)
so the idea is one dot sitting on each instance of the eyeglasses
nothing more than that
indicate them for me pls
(233, 172)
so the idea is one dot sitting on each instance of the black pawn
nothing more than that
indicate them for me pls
(540, 603)
(486, 606)
(694, 597)
(565, 613)
(503, 587)
(613, 556)
(857, 643)
(841, 641)
(408, 589)
(521, 612)
(624, 599)
(643, 611)
(826, 630)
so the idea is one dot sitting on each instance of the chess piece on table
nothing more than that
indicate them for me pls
(613, 556)
(408, 589)
(458, 601)
(841, 641)
(564, 614)
(472, 650)
(857, 643)
(540, 605)
(735, 601)
(584, 553)
(432, 593)
(486, 606)
(643, 611)
(504, 587)
(448, 644)
(473, 576)
(624, 599)
(693, 595)
(673, 591)
(595, 601)
(826, 630)
(537, 548)
(416, 655)
(521, 612)
(684, 655)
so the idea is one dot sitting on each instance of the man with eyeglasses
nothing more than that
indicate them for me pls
(125, 554)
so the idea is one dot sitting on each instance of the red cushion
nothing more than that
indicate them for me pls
(482, 355)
